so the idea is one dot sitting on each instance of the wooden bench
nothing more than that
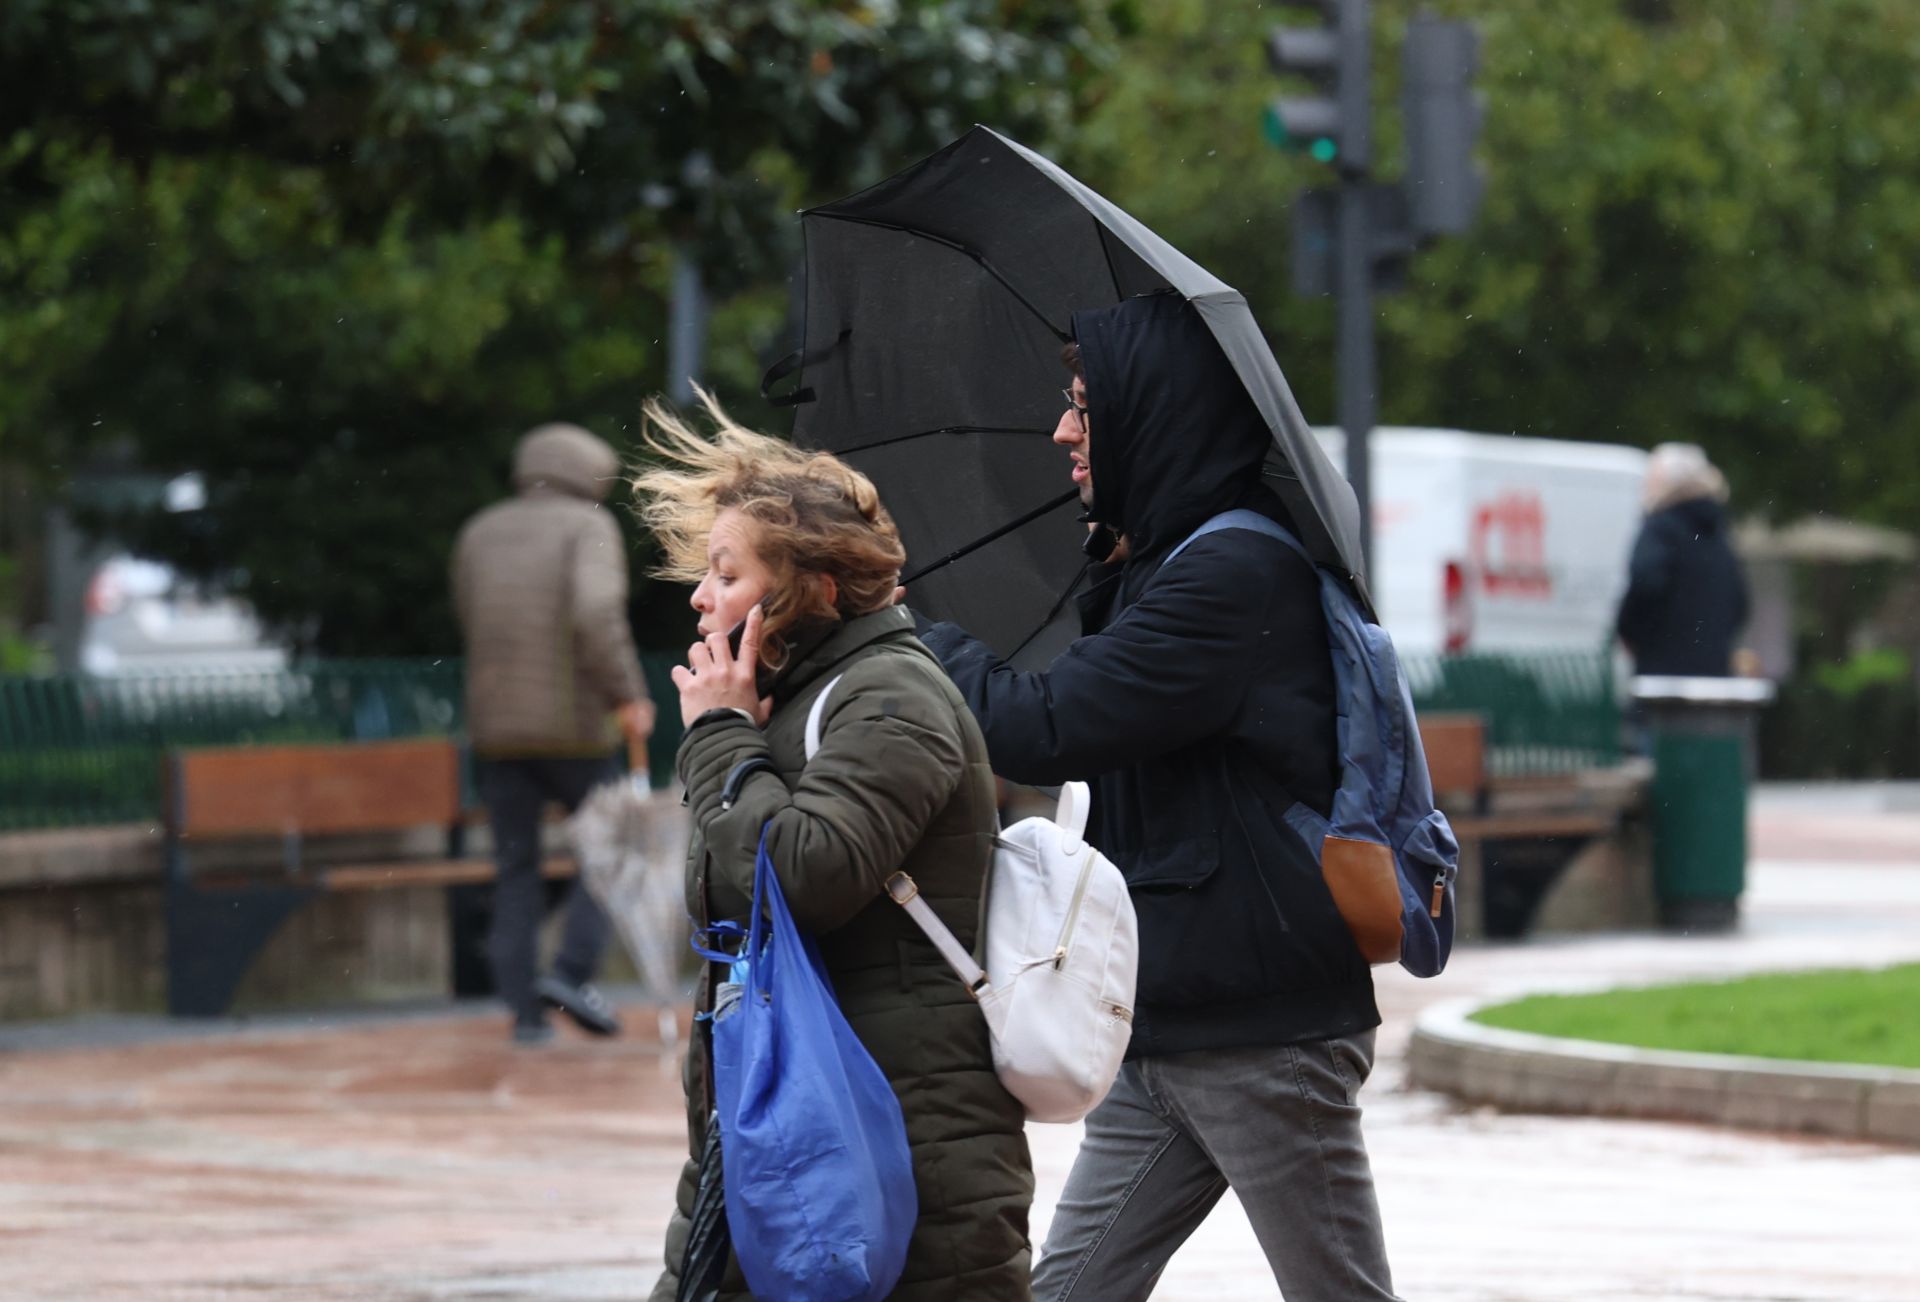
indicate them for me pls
(300, 797)
(1517, 835)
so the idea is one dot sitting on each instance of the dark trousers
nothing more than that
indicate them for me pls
(516, 791)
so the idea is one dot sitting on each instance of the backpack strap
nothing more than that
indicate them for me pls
(902, 889)
(1243, 518)
(817, 714)
(905, 892)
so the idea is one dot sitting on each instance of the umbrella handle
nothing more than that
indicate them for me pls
(636, 755)
(797, 360)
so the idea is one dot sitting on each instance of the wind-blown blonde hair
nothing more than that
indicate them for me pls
(810, 515)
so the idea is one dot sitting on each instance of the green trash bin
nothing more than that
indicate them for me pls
(1702, 734)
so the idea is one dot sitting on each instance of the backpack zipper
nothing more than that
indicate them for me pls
(1073, 910)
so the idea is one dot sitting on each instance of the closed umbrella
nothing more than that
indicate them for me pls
(631, 844)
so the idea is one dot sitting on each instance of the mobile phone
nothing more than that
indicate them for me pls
(739, 631)
(762, 676)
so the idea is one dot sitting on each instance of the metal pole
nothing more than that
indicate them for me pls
(686, 328)
(1356, 404)
(1353, 281)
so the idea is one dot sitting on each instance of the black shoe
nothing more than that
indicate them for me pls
(586, 1006)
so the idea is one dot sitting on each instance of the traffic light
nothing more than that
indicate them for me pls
(1443, 114)
(1316, 225)
(1331, 126)
(1352, 240)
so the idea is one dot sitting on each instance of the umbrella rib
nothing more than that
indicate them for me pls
(1070, 495)
(1058, 606)
(1106, 251)
(944, 429)
(958, 247)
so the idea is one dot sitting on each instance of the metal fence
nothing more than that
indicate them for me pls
(77, 750)
(1545, 712)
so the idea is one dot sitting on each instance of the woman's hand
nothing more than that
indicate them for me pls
(715, 679)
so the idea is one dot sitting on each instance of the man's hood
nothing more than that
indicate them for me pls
(1175, 438)
(565, 459)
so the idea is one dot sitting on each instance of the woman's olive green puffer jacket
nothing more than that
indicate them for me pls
(900, 782)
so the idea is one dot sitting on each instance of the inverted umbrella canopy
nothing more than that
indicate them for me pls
(937, 303)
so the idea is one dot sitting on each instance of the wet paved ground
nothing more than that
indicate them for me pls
(425, 1158)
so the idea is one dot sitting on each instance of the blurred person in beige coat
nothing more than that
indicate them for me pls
(540, 586)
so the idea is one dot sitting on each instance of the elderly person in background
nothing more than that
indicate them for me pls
(1686, 596)
(540, 586)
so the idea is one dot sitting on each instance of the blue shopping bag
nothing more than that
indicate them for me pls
(819, 1179)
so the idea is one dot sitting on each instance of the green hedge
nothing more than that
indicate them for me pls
(1815, 730)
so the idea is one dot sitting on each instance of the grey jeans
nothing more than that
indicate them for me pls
(1279, 1125)
(516, 791)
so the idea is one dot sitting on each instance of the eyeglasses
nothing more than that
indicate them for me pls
(1079, 411)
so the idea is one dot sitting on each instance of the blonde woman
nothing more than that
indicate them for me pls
(795, 550)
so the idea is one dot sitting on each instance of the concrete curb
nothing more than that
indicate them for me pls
(1454, 1055)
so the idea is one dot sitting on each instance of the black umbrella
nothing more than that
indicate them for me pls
(709, 1238)
(936, 305)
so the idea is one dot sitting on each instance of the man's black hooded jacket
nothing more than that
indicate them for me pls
(1198, 703)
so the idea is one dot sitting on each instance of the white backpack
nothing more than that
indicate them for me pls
(1062, 948)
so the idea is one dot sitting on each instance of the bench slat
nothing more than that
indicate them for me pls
(1456, 750)
(429, 872)
(1495, 826)
(315, 790)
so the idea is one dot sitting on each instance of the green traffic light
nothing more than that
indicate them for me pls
(1275, 130)
(1323, 149)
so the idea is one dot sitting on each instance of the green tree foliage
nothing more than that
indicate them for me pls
(336, 255)
(1702, 223)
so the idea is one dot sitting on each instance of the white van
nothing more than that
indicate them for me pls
(1489, 542)
(144, 618)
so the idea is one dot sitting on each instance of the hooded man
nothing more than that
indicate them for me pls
(540, 586)
(1199, 703)
(1686, 598)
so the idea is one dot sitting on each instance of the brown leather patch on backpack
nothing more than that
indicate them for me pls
(1366, 890)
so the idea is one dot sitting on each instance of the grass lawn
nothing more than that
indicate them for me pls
(1846, 1016)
